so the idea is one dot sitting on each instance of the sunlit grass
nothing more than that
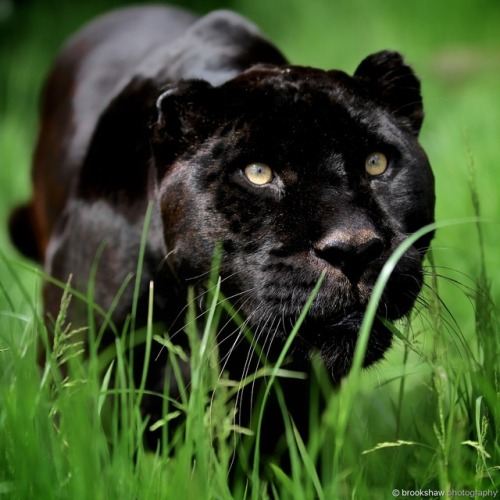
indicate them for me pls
(61, 428)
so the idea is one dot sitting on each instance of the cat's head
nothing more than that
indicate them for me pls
(296, 171)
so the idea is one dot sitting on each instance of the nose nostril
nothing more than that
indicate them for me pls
(350, 255)
(371, 250)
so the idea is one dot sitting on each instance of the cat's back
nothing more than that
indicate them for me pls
(85, 76)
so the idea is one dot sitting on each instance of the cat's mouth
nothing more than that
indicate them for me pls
(333, 322)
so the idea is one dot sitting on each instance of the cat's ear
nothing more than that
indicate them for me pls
(394, 85)
(116, 162)
(183, 117)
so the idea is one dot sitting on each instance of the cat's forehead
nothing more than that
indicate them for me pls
(295, 81)
(295, 96)
(291, 100)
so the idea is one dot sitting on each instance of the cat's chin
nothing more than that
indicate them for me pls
(335, 342)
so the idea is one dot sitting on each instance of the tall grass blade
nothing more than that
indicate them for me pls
(277, 366)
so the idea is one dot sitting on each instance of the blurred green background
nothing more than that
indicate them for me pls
(454, 47)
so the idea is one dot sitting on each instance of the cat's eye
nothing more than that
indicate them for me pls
(259, 173)
(376, 163)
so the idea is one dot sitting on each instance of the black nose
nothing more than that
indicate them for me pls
(351, 253)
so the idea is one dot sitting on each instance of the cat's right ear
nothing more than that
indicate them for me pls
(182, 117)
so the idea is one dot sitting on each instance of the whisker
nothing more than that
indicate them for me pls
(198, 298)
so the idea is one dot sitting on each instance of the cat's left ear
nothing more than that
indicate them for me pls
(185, 114)
(394, 85)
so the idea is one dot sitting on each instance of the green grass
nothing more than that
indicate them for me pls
(425, 418)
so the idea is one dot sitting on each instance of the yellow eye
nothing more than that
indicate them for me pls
(376, 163)
(259, 173)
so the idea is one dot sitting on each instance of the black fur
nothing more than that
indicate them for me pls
(171, 113)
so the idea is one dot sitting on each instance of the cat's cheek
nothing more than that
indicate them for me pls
(405, 283)
(190, 239)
